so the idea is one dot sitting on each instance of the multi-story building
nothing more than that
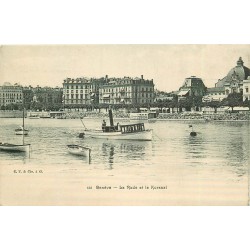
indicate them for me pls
(214, 94)
(28, 94)
(127, 90)
(78, 91)
(161, 96)
(233, 82)
(246, 89)
(11, 94)
(103, 90)
(48, 96)
(192, 86)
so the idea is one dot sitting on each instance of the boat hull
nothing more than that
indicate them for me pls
(79, 150)
(21, 132)
(138, 136)
(14, 148)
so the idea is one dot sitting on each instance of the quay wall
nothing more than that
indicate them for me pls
(12, 114)
(123, 115)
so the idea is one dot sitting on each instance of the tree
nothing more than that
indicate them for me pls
(234, 100)
(246, 103)
(215, 105)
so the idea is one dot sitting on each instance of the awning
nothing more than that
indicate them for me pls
(93, 94)
(183, 92)
(122, 100)
(106, 96)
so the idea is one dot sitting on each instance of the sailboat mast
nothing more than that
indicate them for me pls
(23, 121)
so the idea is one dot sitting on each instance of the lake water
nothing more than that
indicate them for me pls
(209, 169)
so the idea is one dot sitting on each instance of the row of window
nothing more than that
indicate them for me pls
(79, 87)
(76, 101)
(11, 95)
(127, 89)
(217, 93)
(81, 91)
(104, 101)
(128, 101)
(81, 96)
(76, 96)
(10, 101)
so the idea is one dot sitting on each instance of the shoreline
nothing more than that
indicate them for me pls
(218, 117)
(145, 120)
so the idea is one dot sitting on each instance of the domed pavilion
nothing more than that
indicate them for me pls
(233, 82)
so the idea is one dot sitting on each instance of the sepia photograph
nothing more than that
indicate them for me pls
(124, 124)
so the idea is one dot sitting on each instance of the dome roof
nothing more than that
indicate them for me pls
(239, 72)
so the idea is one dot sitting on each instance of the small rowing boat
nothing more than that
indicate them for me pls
(79, 150)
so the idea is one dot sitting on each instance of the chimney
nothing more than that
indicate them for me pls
(142, 77)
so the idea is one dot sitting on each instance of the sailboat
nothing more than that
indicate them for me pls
(16, 147)
(21, 130)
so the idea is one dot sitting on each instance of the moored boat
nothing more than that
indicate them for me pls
(14, 147)
(121, 132)
(79, 150)
(142, 116)
(21, 131)
(34, 117)
(17, 147)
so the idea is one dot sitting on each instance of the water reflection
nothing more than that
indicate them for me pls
(108, 151)
(195, 146)
(221, 146)
(17, 157)
(237, 154)
(120, 152)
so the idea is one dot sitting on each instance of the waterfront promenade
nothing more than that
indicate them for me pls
(166, 116)
(162, 116)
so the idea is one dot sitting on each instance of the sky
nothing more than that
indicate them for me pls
(167, 65)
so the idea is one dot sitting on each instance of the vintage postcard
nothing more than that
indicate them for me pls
(147, 125)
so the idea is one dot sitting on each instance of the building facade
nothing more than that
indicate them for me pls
(127, 90)
(233, 81)
(48, 97)
(107, 90)
(246, 89)
(192, 86)
(11, 94)
(214, 94)
(78, 91)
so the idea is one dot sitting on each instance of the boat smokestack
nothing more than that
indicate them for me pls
(111, 117)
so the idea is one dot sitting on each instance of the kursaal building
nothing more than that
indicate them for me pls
(236, 81)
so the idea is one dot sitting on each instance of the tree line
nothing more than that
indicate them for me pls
(233, 100)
